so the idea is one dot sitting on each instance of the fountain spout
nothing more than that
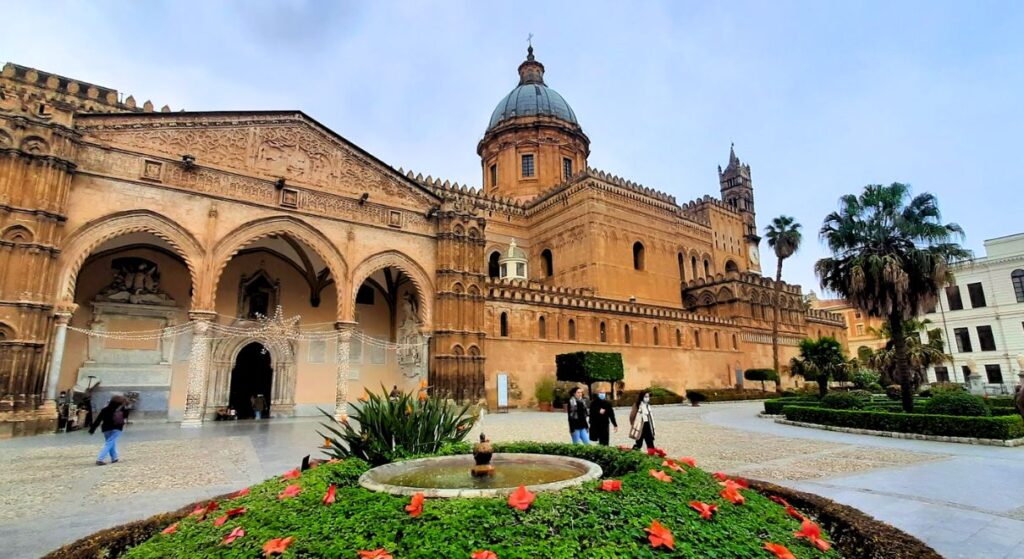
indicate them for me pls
(482, 452)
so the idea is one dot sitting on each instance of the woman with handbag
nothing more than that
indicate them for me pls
(579, 429)
(641, 421)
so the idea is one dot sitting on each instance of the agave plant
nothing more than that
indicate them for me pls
(391, 428)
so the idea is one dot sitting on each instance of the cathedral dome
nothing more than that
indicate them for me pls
(532, 97)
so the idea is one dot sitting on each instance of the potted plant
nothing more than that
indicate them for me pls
(544, 391)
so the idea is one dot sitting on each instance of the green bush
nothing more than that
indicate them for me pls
(589, 367)
(1001, 428)
(761, 375)
(946, 388)
(544, 390)
(876, 388)
(1001, 402)
(728, 394)
(558, 525)
(659, 396)
(957, 403)
(774, 407)
(893, 392)
(842, 401)
(390, 429)
(696, 396)
(864, 378)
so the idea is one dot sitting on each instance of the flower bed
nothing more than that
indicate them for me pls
(646, 507)
(999, 428)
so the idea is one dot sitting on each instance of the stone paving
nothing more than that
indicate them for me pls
(965, 501)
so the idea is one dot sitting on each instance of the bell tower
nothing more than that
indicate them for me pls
(738, 193)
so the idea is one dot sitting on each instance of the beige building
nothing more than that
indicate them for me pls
(859, 325)
(138, 249)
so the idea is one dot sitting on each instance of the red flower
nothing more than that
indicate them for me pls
(720, 476)
(329, 497)
(202, 511)
(660, 536)
(293, 474)
(415, 508)
(234, 535)
(241, 493)
(731, 485)
(229, 515)
(375, 554)
(289, 492)
(779, 500)
(742, 482)
(656, 452)
(704, 509)
(277, 546)
(521, 498)
(625, 447)
(170, 529)
(611, 485)
(691, 462)
(484, 554)
(669, 463)
(733, 495)
(660, 476)
(812, 532)
(780, 551)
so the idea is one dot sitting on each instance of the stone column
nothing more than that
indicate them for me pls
(341, 395)
(198, 369)
(57, 356)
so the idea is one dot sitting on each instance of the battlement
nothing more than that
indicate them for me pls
(825, 317)
(744, 277)
(449, 189)
(708, 201)
(630, 185)
(90, 97)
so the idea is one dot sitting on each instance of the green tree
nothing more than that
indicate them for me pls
(921, 354)
(820, 360)
(784, 237)
(891, 255)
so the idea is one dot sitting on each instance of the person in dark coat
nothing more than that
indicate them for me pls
(641, 421)
(110, 420)
(577, 408)
(601, 413)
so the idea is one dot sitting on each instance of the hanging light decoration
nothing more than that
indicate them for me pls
(277, 332)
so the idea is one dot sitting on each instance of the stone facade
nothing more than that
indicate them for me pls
(859, 325)
(238, 212)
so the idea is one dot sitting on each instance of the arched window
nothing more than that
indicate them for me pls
(638, 256)
(717, 345)
(1017, 276)
(504, 325)
(572, 329)
(735, 342)
(682, 267)
(604, 333)
(547, 263)
(731, 266)
(655, 332)
(696, 338)
(626, 335)
(542, 328)
(492, 264)
(693, 267)
(707, 268)
(679, 338)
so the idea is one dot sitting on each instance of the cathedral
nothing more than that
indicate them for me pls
(198, 260)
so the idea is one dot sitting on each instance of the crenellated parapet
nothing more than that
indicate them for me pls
(77, 95)
(825, 317)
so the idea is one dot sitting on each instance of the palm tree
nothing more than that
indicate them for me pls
(820, 360)
(784, 237)
(891, 255)
(920, 354)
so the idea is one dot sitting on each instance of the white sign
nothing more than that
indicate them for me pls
(502, 390)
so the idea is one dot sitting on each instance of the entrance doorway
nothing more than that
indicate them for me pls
(251, 376)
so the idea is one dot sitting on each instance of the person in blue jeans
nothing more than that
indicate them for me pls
(110, 420)
(578, 426)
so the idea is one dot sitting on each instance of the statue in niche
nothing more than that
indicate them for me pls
(410, 352)
(136, 281)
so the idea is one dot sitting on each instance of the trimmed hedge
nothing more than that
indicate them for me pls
(728, 394)
(774, 407)
(589, 367)
(843, 401)
(659, 396)
(957, 403)
(1000, 428)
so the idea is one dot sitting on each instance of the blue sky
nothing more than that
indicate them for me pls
(820, 98)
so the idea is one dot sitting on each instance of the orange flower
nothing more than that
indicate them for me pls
(660, 476)
(660, 536)
(289, 492)
(780, 551)
(202, 511)
(794, 513)
(720, 476)
(656, 452)
(611, 485)
(731, 485)
(741, 482)
(704, 509)
(423, 384)
(812, 532)
(277, 546)
(625, 447)
(422, 396)
(234, 535)
(691, 462)
(733, 496)
(415, 507)
(365, 397)
(780, 500)
(170, 529)
(329, 496)
(229, 515)
(408, 409)
(484, 554)
(669, 463)
(521, 498)
(375, 554)
(293, 474)
(241, 493)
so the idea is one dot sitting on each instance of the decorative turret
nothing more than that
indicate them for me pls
(738, 193)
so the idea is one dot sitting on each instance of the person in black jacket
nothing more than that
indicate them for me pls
(110, 420)
(601, 413)
(577, 408)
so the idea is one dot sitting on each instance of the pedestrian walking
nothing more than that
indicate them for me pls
(641, 421)
(577, 408)
(601, 413)
(110, 420)
(259, 405)
(395, 393)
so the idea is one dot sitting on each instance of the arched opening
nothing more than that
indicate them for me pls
(696, 338)
(735, 342)
(654, 333)
(679, 338)
(252, 379)
(707, 268)
(693, 267)
(717, 344)
(604, 332)
(542, 328)
(682, 266)
(547, 263)
(572, 329)
(493, 270)
(638, 256)
(731, 266)
(627, 335)
(503, 325)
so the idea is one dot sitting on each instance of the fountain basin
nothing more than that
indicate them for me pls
(448, 476)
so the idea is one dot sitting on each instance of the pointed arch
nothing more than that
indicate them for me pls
(419, 277)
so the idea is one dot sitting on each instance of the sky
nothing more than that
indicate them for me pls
(820, 98)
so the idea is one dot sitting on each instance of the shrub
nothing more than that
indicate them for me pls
(893, 391)
(842, 401)
(696, 396)
(957, 403)
(728, 394)
(947, 388)
(588, 367)
(390, 429)
(774, 407)
(864, 378)
(761, 375)
(876, 388)
(544, 390)
(659, 396)
(1001, 402)
(1000, 428)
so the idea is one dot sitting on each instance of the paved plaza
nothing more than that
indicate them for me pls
(966, 501)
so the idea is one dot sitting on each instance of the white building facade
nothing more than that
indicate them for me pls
(982, 319)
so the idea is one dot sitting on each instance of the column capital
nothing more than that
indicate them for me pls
(63, 318)
(345, 326)
(65, 309)
(208, 316)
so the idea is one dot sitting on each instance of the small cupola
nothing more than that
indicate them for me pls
(512, 264)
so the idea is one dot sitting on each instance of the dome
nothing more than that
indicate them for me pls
(532, 97)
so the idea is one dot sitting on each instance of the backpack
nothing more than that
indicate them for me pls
(117, 418)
